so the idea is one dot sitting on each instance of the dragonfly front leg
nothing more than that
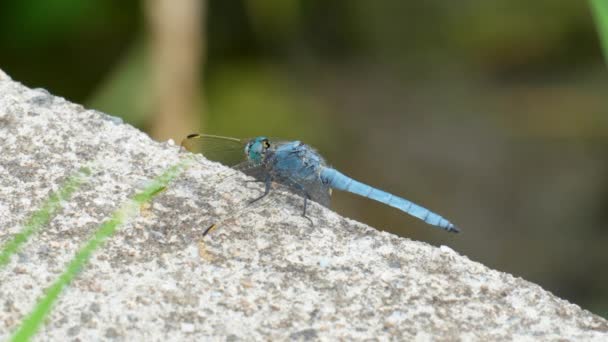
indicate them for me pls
(267, 182)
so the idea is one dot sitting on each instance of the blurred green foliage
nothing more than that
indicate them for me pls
(492, 113)
(125, 90)
(43, 41)
(600, 10)
(274, 21)
(280, 108)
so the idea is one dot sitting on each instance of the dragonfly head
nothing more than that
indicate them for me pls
(256, 148)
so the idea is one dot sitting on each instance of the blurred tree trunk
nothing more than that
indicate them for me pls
(177, 51)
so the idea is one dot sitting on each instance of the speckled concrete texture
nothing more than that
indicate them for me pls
(267, 274)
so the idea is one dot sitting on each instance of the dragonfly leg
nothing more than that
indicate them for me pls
(306, 198)
(268, 181)
(210, 228)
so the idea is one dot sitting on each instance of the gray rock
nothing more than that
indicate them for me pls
(267, 274)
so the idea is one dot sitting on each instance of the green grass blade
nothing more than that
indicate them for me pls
(130, 209)
(43, 215)
(600, 12)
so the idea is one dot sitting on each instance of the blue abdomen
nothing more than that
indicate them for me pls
(337, 180)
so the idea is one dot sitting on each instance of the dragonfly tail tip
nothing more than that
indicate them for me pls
(454, 229)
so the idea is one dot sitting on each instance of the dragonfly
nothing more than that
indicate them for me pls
(301, 169)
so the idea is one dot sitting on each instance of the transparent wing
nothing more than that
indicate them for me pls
(319, 192)
(314, 188)
(226, 150)
(256, 171)
(276, 142)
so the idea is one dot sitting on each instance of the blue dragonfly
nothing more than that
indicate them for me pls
(302, 169)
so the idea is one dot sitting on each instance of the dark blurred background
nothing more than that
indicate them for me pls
(492, 113)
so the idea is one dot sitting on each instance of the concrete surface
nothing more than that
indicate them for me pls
(266, 275)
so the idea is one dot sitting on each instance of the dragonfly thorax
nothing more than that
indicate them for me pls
(256, 148)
